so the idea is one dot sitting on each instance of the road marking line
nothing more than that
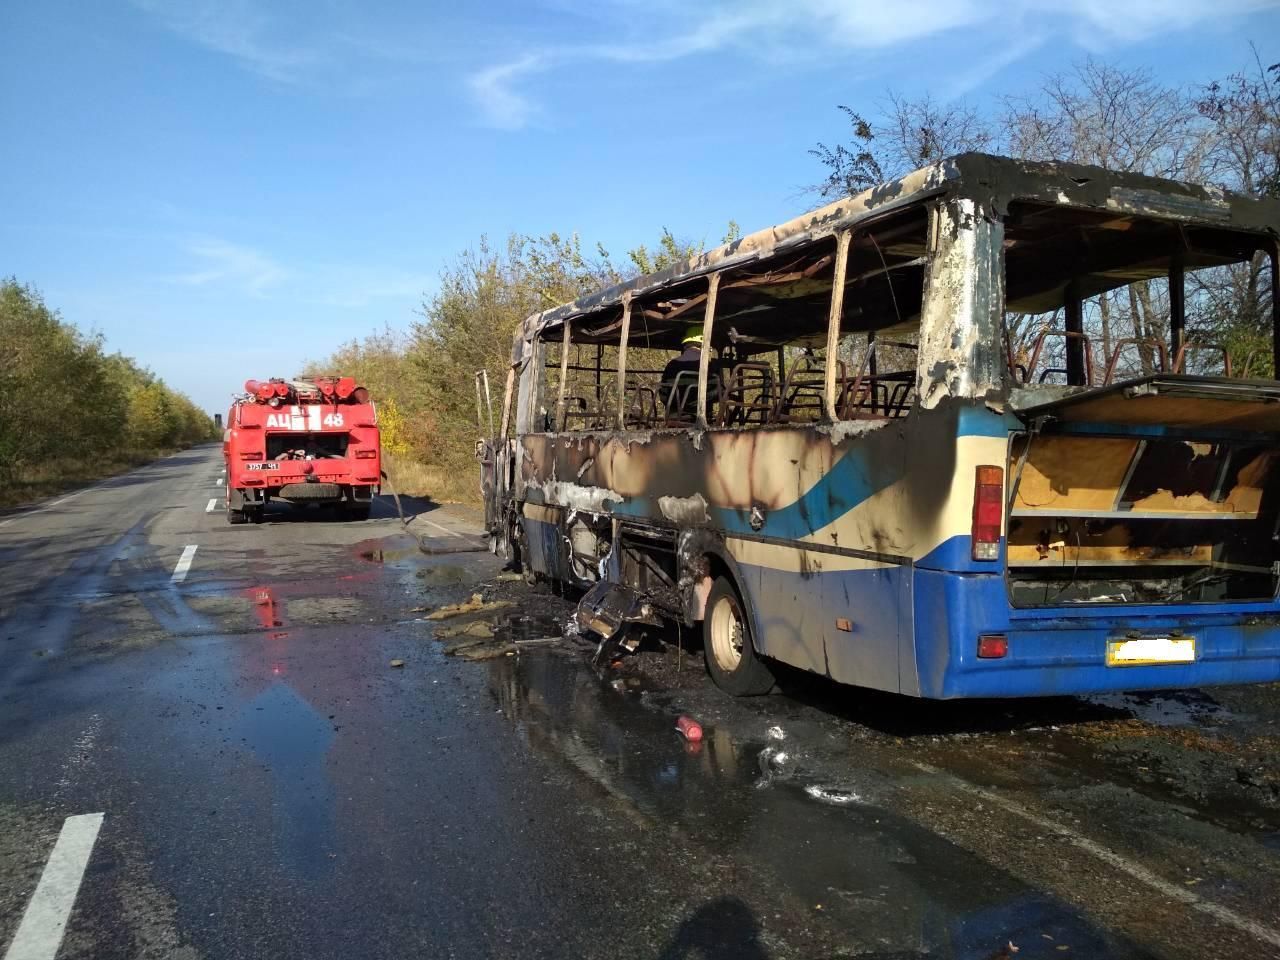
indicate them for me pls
(212, 506)
(1171, 890)
(184, 564)
(40, 933)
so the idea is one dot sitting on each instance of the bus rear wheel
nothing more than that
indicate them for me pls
(728, 645)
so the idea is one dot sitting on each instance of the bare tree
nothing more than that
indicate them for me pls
(1103, 115)
(1226, 133)
(912, 134)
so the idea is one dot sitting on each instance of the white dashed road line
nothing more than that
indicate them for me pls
(1140, 873)
(40, 933)
(184, 564)
(212, 506)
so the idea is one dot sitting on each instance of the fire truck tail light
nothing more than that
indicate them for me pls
(250, 454)
(988, 512)
(366, 454)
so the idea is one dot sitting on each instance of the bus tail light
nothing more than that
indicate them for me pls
(993, 646)
(988, 512)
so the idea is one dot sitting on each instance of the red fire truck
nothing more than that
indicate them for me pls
(307, 442)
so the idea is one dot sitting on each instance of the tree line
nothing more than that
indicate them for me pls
(1224, 132)
(424, 379)
(69, 410)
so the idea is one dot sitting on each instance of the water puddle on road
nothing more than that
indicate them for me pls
(291, 740)
(752, 792)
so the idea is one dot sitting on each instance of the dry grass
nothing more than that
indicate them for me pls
(58, 476)
(415, 479)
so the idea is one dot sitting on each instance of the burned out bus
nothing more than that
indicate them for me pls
(966, 434)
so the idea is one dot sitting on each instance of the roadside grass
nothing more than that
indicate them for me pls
(48, 479)
(415, 479)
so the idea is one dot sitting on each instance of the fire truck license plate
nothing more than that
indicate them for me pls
(262, 466)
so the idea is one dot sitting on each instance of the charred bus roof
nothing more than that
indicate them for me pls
(994, 183)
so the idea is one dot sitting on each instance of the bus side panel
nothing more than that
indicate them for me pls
(802, 601)
(872, 601)
(782, 582)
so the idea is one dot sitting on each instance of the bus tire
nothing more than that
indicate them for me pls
(728, 645)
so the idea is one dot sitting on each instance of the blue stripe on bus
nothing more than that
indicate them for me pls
(982, 422)
(1155, 430)
(851, 480)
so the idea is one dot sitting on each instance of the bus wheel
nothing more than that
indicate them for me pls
(727, 645)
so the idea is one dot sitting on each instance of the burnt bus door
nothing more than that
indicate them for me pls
(496, 457)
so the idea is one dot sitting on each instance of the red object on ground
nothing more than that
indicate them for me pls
(689, 728)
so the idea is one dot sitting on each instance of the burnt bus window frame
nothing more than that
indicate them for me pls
(1097, 254)
(831, 305)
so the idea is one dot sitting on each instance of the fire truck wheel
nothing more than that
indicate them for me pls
(727, 644)
(357, 511)
(236, 516)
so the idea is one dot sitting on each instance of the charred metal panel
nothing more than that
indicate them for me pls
(960, 332)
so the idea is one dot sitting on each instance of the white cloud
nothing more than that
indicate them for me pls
(240, 270)
(230, 264)
(240, 30)
(1005, 31)
(495, 91)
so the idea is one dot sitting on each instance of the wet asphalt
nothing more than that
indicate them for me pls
(273, 787)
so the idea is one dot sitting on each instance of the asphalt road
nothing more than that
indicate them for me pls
(221, 761)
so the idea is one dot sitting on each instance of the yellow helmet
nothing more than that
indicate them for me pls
(692, 334)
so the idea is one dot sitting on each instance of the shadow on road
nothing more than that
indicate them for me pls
(902, 716)
(720, 929)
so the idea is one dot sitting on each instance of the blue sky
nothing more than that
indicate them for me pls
(226, 188)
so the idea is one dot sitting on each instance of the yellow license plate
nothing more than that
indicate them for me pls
(1140, 651)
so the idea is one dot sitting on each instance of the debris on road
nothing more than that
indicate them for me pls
(831, 794)
(487, 651)
(397, 663)
(508, 577)
(689, 728)
(434, 546)
(537, 641)
(477, 628)
(476, 604)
